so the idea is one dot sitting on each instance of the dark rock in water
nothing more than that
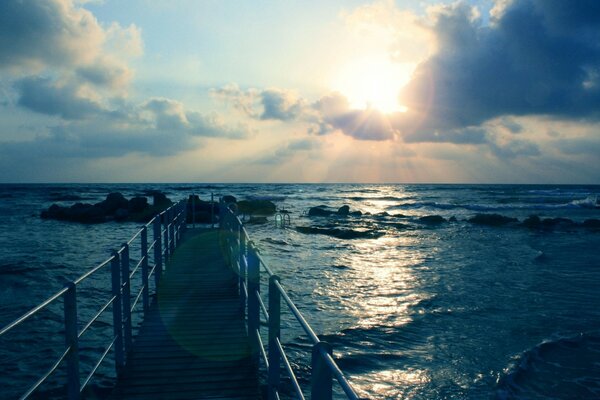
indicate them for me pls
(64, 197)
(121, 214)
(432, 219)
(384, 214)
(256, 207)
(591, 223)
(257, 220)
(137, 204)
(491, 219)
(557, 223)
(319, 211)
(114, 208)
(356, 213)
(533, 221)
(452, 219)
(113, 202)
(160, 200)
(340, 233)
(229, 199)
(201, 211)
(343, 210)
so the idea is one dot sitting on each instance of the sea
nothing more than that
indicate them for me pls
(415, 308)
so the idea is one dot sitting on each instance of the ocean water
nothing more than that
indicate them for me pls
(413, 310)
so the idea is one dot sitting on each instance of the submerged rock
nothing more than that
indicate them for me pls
(256, 207)
(343, 210)
(319, 211)
(432, 219)
(340, 233)
(201, 211)
(591, 223)
(492, 219)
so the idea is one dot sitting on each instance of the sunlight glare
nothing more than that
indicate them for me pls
(373, 82)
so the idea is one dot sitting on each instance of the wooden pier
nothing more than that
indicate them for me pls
(200, 334)
(193, 343)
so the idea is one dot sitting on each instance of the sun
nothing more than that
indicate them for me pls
(373, 82)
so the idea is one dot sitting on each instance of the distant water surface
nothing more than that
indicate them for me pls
(414, 310)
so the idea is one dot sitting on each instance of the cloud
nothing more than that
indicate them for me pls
(298, 146)
(329, 113)
(280, 105)
(47, 97)
(536, 57)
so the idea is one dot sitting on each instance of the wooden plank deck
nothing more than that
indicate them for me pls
(193, 343)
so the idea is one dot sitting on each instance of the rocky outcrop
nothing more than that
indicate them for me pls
(201, 211)
(114, 208)
(256, 207)
(324, 211)
(491, 219)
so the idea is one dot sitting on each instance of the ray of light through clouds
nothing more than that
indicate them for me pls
(377, 91)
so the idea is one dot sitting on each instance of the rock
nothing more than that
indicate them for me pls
(257, 220)
(432, 219)
(356, 213)
(256, 207)
(491, 219)
(533, 221)
(113, 202)
(452, 219)
(340, 233)
(160, 200)
(319, 211)
(591, 223)
(550, 223)
(114, 207)
(121, 214)
(229, 199)
(137, 204)
(201, 211)
(343, 210)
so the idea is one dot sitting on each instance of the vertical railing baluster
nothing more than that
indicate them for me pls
(172, 215)
(126, 299)
(165, 216)
(72, 342)
(274, 335)
(193, 212)
(321, 376)
(117, 316)
(144, 251)
(243, 269)
(253, 305)
(212, 210)
(157, 252)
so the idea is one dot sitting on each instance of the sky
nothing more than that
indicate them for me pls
(480, 91)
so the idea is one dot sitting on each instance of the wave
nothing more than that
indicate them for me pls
(589, 202)
(564, 367)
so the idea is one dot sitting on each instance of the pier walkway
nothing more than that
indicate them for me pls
(196, 315)
(193, 343)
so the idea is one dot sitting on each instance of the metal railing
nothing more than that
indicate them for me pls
(167, 228)
(244, 257)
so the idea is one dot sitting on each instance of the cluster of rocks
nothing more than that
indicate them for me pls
(256, 210)
(201, 211)
(324, 211)
(114, 208)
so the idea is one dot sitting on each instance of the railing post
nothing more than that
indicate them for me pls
(126, 299)
(145, 294)
(253, 305)
(243, 269)
(72, 342)
(212, 210)
(117, 316)
(193, 212)
(172, 216)
(321, 376)
(157, 251)
(274, 335)
(165, 216)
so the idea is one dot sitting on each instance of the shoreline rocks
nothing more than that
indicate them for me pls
(115, 207)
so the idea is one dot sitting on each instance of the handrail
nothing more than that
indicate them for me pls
(245, 258)
(174, 221)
